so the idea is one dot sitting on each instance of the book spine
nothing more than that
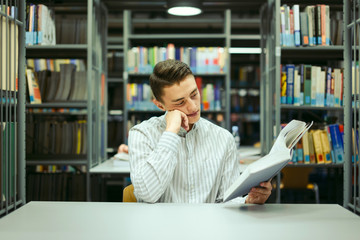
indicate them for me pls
(296, 24)
(290, 83)
(305, 143)
(328, 87)
(336, 141)
(297, 87)
(325, 146)
(314, 81)
(309, 12)
(304, 29)
(282, 27)
(307, 85)
(318, 147)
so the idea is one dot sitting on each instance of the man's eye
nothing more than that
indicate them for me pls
(180, 103)
(194, 95)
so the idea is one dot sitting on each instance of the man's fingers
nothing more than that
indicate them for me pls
(185, 121)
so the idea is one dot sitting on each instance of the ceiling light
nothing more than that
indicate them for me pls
(184, 7)
(245, 50)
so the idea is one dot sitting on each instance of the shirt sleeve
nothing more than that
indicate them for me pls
(231, 171)
(152, 164)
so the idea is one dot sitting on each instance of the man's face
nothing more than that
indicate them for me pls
(184, 97)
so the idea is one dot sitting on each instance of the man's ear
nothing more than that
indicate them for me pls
(158, 104)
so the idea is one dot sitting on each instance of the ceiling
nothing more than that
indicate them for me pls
(160, 5)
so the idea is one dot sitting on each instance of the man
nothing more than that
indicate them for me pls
(181, 157)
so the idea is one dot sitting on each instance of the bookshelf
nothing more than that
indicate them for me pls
(245, 77)
(241, 30)
(81, 119)
(12, 106)
(351, 107)
(277, 53)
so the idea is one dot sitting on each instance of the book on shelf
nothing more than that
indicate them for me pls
(268, 166)
(325, 143)
(71, 28)
(283, 86)
(318, 147)
(33, 87)
(337, 142)
(115, 61)
(306, 148)
(9, 55)
(289, 68)
(355, 145)
(311, 148)
(245, 76)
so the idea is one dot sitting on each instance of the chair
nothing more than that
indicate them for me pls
(297, 178)
(128, 194)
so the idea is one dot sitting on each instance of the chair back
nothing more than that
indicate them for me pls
(128, 194)
(296, 177)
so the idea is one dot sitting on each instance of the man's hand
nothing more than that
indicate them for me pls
(123, 148)
(259, 195)
(176, 119)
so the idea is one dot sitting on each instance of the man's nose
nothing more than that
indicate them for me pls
(191, 106)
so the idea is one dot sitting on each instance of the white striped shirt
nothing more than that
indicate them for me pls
(188, 167)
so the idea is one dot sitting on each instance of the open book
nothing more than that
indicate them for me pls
(268, 166)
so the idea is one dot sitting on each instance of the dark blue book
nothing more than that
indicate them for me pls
(336, 140)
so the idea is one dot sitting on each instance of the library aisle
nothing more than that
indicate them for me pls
(74, 78)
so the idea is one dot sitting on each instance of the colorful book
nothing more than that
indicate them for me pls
(336, 140)
(33, 87)
(290, 68)
(318, 147)
(306, 150)
(307, 85)
(326, 146)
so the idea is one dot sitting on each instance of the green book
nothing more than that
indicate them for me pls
(307, 85)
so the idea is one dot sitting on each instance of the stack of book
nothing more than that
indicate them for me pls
(200, 59)
(312, 27)
(67, 84)
(40, 25)
(321, 146)
(311, 85)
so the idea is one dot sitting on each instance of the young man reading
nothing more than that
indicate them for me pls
(181, 157)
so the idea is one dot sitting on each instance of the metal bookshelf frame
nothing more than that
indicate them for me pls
(12, 107)
(351, 114)
(94, 51)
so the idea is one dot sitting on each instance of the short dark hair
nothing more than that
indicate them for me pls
(167, 73)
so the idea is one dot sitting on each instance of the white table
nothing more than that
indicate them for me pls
(94, 220)
(247, 154)
(108, 173)
(108, 167)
